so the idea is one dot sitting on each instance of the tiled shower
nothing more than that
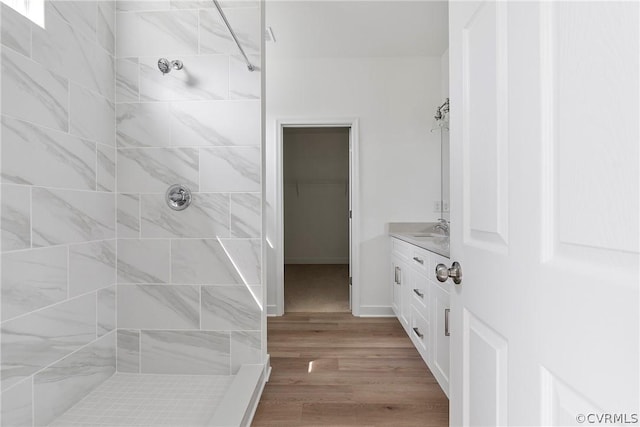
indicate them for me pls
(103, 285)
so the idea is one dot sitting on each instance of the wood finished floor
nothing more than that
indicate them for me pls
(333, 369)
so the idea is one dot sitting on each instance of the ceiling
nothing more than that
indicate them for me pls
(342, 28)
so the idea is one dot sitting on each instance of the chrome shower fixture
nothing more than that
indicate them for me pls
(165, 65)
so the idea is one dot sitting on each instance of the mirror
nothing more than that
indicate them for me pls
(442, 126)
(444, 171)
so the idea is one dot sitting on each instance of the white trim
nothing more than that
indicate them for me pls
(272, 310)
(355, 205)
(376, 311)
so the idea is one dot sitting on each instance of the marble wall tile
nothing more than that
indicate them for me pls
(105, 25)
(137, 5)
(201, 78)
(229, 308)
(16, 217)
(16, 31)
(256, 291)
(79, 14)
(68, 216)
(228, 4)
(158, 307)
(128, 215)
(215, 123)
(206, 4)
(215, 37)
(91, 266)
(39, 156)
(31, 92)
(245, 349)
(106, 172)
(207, 216)
(62, 385)
(17, 409)
(143, 125)
(202, 261)
(244, 84)
(143, 261)
(104, 68)
(246, 255)
(230, 169)
(154, 170)
(128, 351)
(157, 33)
(33, 341)
(191, 4)
(106, 310)
(33, 279)
(65, 49)
(92, 116)
(127, 80)
(192, 352)
(246, 219)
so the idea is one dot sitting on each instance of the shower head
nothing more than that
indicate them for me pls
(165, 65)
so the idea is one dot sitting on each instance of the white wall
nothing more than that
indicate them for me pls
(444, 74)
(316, 199)
(394, 100)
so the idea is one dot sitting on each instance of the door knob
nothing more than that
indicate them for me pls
(455, 272)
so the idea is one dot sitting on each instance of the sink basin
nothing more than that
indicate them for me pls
(427, 235)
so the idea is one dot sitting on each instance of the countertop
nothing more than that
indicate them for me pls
(421, 234)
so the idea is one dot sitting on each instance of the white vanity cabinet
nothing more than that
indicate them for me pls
(421, 304)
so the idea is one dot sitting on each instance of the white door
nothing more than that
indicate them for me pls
(544, 212)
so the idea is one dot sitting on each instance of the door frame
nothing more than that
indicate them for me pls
(354, 193)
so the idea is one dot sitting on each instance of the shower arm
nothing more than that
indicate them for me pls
(224, 18)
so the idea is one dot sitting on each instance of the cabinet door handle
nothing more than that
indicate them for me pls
(395, 275)
(446, 322)
(420, 294)
(417, 332)
(418, 260)
(398, 275)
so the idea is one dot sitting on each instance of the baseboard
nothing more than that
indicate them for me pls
(376, 311)
(337, 260)
(272, 310)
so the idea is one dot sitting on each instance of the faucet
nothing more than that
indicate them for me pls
(443, 225)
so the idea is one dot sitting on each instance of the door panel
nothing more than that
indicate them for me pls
(484, 91)
(544, 211)
(485, 370)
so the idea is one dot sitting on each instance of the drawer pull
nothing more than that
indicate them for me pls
(418, 260)
(417, 332)
(446, 322)
(420, 294)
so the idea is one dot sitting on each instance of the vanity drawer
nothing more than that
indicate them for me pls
(419, 288)
(419, 331)
(401, 248)
(420, 259)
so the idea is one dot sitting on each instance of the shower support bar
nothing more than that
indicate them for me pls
(224, 18)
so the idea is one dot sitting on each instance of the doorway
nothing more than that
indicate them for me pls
(317, 196)
(315, 163)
